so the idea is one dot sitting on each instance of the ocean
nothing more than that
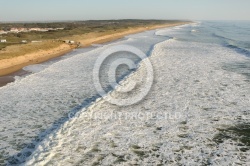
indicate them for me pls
(195, 113)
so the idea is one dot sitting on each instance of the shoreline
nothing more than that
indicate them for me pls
(13, 66)
(119, 35)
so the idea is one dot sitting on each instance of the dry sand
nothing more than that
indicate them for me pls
(11, 65)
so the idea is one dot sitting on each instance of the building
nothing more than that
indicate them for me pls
(24, 41)
(2, 32)
(14, 30)
(38, 29)
(36, 41)
(3, 40)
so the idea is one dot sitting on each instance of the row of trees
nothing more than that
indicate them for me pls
(77, 24)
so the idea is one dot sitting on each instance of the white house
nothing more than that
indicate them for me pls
(3, 40)
(36, 41)
(14, 30)
(2, 32)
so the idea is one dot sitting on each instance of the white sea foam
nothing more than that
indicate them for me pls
(169, 32)
(35, 68)
(33, 106)
(189, 81)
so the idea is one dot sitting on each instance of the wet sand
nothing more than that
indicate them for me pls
(4, 80)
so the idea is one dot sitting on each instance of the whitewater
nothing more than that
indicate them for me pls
(197, 111)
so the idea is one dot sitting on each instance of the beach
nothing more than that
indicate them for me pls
(8, 66)
(196, 111)
(125, 83)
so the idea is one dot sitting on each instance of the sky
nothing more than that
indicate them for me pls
(53, 10)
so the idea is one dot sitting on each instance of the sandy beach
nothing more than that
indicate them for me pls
(8, 66)
(89, 39)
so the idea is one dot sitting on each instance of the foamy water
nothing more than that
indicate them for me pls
(33, 106)
(200, 91)
(192, 100)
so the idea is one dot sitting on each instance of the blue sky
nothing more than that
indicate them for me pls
(42, 10)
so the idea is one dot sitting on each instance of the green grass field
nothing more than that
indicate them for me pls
(70, 28)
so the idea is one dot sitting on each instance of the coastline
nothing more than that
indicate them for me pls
(115, 36)
(12, 65)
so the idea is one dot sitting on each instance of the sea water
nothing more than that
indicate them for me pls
(197, 109)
